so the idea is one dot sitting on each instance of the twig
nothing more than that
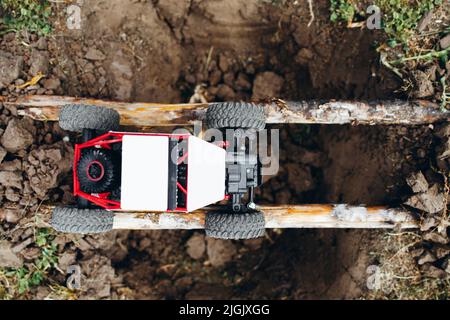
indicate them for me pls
(311, 12)
(427, 56)
(208, 59)
(445, 95)
(385, 62)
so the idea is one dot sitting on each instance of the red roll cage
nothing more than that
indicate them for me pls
(105, 141)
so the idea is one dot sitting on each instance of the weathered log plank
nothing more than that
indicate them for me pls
(46, 108)
(311, 112)
(288, 216)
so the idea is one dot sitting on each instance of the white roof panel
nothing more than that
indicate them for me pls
(206, 173)
(145, 166)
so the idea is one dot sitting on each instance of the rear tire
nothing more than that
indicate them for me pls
(83, 221)
(237, 226)
(235, 115)
(76, 117)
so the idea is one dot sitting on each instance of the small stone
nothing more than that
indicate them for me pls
(95, 55)
(17, 136)
(66, 260)
(10, 68)
(224, 63)
(11, 179)
(196, 246)
(39, 62)
(417, 182)
(425, 21)
(52, 84)
(12, 216)
(19, 82)
(12, 195)
(8, 259)
(445, 42)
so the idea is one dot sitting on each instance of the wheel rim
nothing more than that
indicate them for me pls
(95, 171)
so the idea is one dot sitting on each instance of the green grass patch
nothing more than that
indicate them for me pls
(404, 48)
(30, 15)
(399, 17)
(342, 10)
(18, 281)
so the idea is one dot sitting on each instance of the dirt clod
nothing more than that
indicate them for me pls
(267, 85)
(423, 85)
(8, 258)
(11, 179)
(431, 201)
(11, 67)
(417, 182)
(95, 55)
(97, 276)
(46, 165)
(17, 136)
(196, 246)
(220, 252)
(39, 62)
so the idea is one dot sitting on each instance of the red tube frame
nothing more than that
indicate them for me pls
(104, 141)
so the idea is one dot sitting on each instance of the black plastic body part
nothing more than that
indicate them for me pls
(173, 175)
(242, 168)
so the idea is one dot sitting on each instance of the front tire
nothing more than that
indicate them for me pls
(235, 115)
(82, 221)
(76, 117)
(236, 226)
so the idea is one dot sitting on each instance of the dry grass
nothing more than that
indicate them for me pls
(398, 274)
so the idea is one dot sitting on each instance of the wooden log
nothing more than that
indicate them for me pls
(279, 112)
(46, 108)
(289, 216)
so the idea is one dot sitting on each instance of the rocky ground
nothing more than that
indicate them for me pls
(219, 51)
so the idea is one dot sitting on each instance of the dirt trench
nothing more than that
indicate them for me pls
(165, 51)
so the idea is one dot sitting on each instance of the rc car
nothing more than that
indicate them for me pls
(156, 172)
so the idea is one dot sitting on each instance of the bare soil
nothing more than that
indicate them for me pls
(164, 51)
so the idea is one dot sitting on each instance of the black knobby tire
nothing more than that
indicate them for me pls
(76, 117)
(83, 221)
(237, 226)
(235, 115)
(91, 161)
